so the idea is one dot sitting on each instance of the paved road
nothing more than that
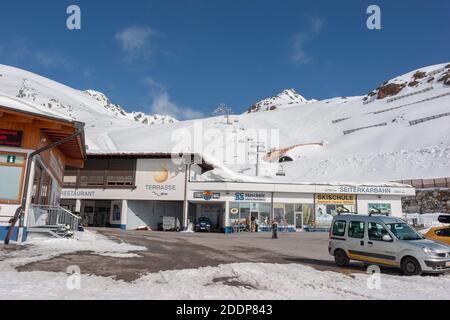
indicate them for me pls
(172, 251)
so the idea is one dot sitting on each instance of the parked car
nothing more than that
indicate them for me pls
(203, 224)
(386, 241)
(441, 234)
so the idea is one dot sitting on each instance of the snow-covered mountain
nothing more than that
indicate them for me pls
(284, 99)
(121, 113)
(92, 107)
(398, 131)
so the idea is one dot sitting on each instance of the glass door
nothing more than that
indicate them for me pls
(299, 221)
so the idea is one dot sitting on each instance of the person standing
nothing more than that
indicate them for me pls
(274, 230)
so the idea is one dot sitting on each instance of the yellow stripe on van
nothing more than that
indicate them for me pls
(371, 259)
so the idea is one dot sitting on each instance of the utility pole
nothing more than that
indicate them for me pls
(260, 148)
(223, 109)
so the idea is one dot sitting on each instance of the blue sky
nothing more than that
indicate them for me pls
(185, 57)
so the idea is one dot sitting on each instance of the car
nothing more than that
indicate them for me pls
(385, 241)
(441, 234)
(203, 224)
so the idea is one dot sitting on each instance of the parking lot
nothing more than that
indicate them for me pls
(174, 251)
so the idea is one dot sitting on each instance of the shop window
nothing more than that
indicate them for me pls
(278, 213)
(356, 229)
(380, 208)
(264, 214)
(289, 216)
(308, 214)
(12, 168)
(234, 212)
(244, 212)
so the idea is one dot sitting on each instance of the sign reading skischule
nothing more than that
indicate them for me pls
(335, 198)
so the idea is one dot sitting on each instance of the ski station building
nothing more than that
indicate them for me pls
(136, 190)
(48, 180)
(35, 147)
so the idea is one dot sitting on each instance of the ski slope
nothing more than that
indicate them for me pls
(398, 131)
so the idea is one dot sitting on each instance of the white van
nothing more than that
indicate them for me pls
(386, 241)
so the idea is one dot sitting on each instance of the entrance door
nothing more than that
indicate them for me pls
(254, 217)
(87, 212)
(299, 220)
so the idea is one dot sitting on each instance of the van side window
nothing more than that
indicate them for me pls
(339, 228)
(376, 231)
(356, 229)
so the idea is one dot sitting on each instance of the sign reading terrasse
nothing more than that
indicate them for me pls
(10, 138)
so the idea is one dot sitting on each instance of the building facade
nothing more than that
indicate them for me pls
(137, 191)
(29, 178)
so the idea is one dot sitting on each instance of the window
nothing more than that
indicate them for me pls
(102, 173)
(120, 172)
(339, 228)
(289, 215)
(244, 212)
(356, 229)
(376, 231)
(12, 168)
(403, 231)
(234, 212)
(264, 214)
(380, 208)
(443, 232)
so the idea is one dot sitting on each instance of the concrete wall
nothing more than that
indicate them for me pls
(149, 213)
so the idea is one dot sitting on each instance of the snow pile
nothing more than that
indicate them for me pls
(39, 248)
(230, 282)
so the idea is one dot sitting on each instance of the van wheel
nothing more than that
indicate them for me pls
(411, 267)
(341, 258)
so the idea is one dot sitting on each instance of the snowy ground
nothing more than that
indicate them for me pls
(232, 281)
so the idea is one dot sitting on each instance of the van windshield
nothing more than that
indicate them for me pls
(404, 232)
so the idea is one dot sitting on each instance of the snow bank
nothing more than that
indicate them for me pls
(230, 282)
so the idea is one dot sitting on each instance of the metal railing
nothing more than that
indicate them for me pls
(52, 216)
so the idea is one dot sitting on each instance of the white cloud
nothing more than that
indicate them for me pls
(164, 105)
(136, 42)
(301, 39)
(21, 51)
(299, 54)
(51, 59)
(317, 24)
